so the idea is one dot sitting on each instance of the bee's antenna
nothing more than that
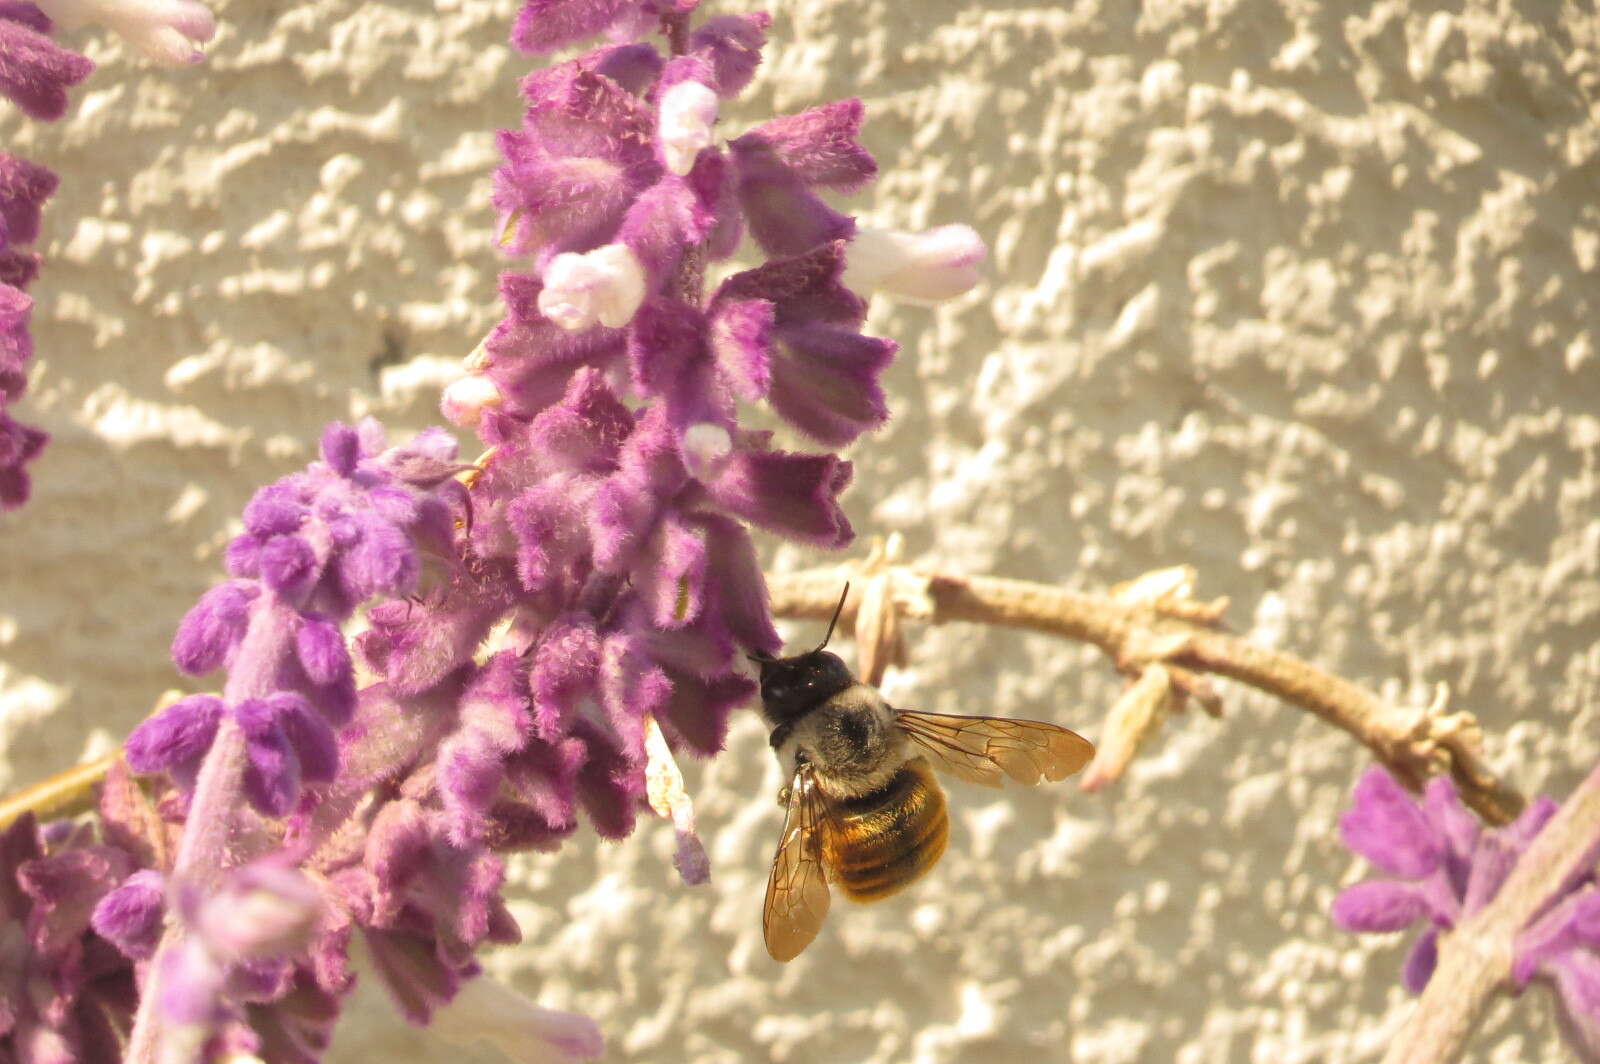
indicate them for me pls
(836, 611)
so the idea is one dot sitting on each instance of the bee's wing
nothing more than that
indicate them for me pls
(980, 749)
(797, 890)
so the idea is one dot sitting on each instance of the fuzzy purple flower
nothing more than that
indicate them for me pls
(1442, 867)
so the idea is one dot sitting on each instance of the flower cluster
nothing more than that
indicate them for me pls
(1443, 867)
(554, 623)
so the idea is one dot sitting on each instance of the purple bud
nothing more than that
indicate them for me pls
(272, 772)
(308, 735)
(288, 565)
(784, 215)
(383, 562)
(1420, 961)
(275, 510)
(319, 645)
(210, 631)
(609, 785)
(1387, 828)
(130, 917)
(341, 448)
(176, 739)
(732, 45)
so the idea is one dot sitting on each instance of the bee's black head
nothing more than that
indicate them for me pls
(792, 687)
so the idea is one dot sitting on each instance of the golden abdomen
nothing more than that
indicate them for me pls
(878, 843)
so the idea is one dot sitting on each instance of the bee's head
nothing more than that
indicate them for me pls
(792, 686)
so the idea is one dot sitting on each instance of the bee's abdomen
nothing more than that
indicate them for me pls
(878, 843)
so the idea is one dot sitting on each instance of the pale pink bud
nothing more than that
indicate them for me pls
(464, 400)
(926, 267)
(705, 445)
(688, 111)
(603, 286)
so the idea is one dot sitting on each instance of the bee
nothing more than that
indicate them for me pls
(863, 807)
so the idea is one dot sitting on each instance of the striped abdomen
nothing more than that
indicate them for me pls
(878, 843)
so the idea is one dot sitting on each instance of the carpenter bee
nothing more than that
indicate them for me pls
(863, 807)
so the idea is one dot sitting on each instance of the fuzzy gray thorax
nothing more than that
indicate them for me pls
(851, 739)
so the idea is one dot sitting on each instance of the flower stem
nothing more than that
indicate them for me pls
(1413, 744)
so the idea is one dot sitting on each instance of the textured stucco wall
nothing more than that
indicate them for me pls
(1304, 294)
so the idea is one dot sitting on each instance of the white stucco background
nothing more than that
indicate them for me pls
(1307, 295)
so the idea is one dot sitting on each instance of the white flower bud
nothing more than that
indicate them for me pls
(937, 264)
(165, 31)
(688, 111)
(603, 286)
(705, 445)
(465, 399)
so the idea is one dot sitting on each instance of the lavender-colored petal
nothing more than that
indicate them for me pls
(272, 772)
(177, 738)
(545, 25)
(632, 687)
(633, 66)
(308, 735)
(319, 646)
(566, 665)
(383, 561)
(827, 384)
(1572, 923)
(741, 590)
(1386, 827)
(784, 215)
(415, 648)
(821, 146)
(408, 967)
(673, 580)
(209, 632)
(35, 72)
(1577, 980)
(741, 338)
(802, 288)
(288, 565)
(275, 510)
(24, 186)
(19, 445)
(1379, 905)
(794, 495)
(698, 712)
(1420, 961)
(586, 430)
(544, 775)
(664, 339)
(610, 786)
(341, 448)
(1522, 830)
(732, 45)
(130, 916)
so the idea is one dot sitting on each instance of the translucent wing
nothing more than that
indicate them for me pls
(981, 749)
(797, 890)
